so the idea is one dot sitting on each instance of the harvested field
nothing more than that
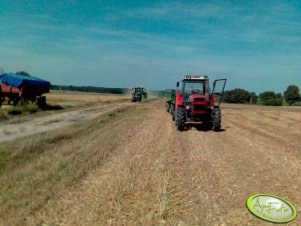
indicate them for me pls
(69, 99)
(132, 167)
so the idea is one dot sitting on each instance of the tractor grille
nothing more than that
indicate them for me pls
(198, 107)
(199, 99)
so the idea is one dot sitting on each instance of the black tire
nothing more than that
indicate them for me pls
(216, 119)
(0, 96)
(172, 112)
(41, 102)
(133, 99)
(167, 107)
(180, 120)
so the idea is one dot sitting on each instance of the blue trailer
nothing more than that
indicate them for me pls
(18, 89)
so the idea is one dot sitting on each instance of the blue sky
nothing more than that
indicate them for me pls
(255, 44)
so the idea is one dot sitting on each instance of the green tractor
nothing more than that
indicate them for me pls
(138, 93)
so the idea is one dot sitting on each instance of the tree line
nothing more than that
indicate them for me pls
(290, 97)
(93, 89)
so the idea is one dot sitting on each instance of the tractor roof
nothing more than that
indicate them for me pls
(195, 77)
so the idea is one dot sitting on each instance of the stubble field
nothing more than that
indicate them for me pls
(130, 166)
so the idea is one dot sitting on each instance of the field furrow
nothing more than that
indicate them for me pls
(132, 167)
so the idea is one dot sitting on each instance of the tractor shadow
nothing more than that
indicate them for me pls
(202, 127)
(49, 107)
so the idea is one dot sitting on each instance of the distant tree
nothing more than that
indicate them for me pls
(267, 95)
(292, 94)
(253, 98)
(24, 73)
(270, 98)
(236, 96)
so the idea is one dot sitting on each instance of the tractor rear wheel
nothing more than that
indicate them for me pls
(216, 119)
(167, 106)
(172, 112)
(19, 101)
(41, 102)
(180, 120)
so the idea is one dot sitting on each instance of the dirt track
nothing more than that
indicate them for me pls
(152, 174)
(31, 125)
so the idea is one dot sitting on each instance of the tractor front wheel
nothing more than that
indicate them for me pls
(216, 119)
(180, 120)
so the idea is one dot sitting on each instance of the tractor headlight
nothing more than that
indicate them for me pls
(187, 107)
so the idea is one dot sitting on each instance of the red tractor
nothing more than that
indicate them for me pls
(195, 103)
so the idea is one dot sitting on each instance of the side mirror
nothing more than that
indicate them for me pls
(178, 83)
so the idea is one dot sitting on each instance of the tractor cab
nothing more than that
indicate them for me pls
(194, 96)
(137, 90)
(195, 88)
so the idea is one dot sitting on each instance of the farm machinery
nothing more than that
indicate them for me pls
(195, 103)
(138, 93)
(19, 89)
(170, 96)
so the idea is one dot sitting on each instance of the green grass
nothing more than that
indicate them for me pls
(23, 109)
(8, 112)
(297, 103)
(3, 159)
(3, 115)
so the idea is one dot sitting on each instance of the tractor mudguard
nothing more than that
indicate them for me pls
(179, 99)
(211, 98)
